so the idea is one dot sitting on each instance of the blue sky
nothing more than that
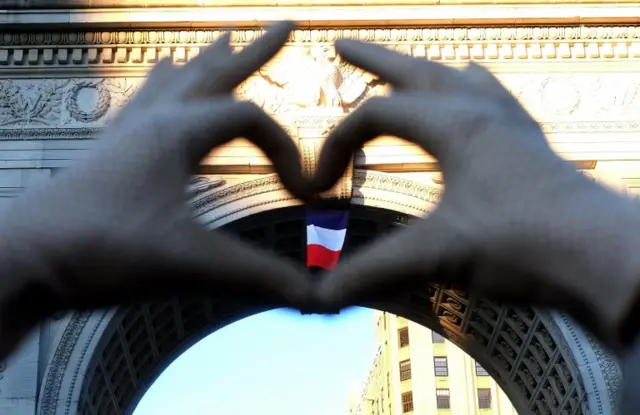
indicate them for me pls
(278, 363)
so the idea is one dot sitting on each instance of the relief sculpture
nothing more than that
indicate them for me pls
(577, 97)
(30, 103)
(55, 102)
(102, 105)
(307, 85)
(302, 78)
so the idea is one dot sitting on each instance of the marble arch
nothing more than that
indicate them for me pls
(67, 66)
(105, 360)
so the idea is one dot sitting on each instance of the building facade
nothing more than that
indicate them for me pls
(67, 66)
(417, 371)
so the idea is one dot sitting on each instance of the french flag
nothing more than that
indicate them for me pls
(327, 224)
(326, 232)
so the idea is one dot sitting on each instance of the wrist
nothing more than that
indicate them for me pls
(627, 283)
(25, 297)
(610, 282)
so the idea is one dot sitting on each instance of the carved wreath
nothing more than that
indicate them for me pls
(101, 107)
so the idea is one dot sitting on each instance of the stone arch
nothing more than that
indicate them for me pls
(105, 360)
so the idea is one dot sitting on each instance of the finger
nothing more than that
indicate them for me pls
(210, 57)
(259, 52)
(218, 71)
(208, 124)
(410, 258)
(200, 76)
(183, 260)
(158, 78)
(430, 121)
(485, 83)
(401, 71)
(215, 261)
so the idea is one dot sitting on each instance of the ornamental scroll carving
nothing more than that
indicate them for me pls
(316, 96)
(59, 103)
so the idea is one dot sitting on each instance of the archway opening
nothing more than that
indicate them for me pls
(520, 347)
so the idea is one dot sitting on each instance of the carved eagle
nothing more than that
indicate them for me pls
(315, 76)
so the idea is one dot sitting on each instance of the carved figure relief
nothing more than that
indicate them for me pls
(307, 78)
(308, 87)
(577, 97)
(613, 96)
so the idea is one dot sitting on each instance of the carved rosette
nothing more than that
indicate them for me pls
(99, 110)
(60, 103)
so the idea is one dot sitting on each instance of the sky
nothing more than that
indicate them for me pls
(274, 363)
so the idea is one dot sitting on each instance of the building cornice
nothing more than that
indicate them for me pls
(134, 51)
(109, 4)
(323, 16)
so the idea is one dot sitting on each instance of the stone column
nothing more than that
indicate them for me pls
(19, 378)
(312, 127)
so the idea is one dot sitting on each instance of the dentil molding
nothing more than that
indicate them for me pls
(141, 48)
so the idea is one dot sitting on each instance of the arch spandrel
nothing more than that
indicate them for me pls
(536, 360)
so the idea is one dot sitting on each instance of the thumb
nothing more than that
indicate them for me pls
(426, 252)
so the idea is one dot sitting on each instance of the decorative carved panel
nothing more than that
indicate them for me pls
(144, 47)
(78, 107)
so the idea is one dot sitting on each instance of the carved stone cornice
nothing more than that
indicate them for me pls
(107, 4)
(368, 13)
(78, 108)
(88, 133)
(142, 48)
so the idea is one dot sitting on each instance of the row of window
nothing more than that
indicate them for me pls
(403, 337)
(443, 399)
(440, 367)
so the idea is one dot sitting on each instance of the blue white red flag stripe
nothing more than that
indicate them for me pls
(328, 218)
(326, 232)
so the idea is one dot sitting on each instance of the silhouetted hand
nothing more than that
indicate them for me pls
(117, 227)
(516, 222)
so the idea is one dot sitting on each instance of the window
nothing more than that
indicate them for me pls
(484, 398)
(403, 336)
(436, 338)
(405, 370)
(440, 366)
(442, 399)
(407, 402)
(388, 385)
(480, 370)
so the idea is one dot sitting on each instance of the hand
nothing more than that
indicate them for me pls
(516, 222)
(117, 227)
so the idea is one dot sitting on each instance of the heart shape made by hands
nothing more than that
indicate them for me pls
(516, 222)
